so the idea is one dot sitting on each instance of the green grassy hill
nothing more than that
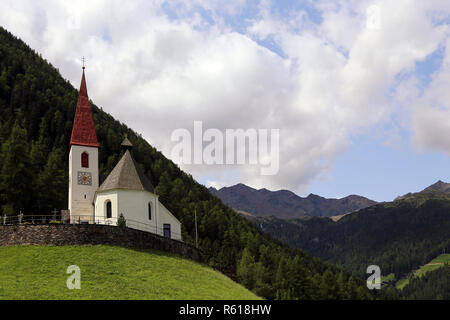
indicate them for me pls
(107, 272)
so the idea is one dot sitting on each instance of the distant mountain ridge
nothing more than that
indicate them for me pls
(439, 187)
(398, 236)
(285, 204)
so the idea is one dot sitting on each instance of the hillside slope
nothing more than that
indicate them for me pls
(438, 262)
(37, 109)
(39, 272)
(398, 236)
(285, 204)
(434, 284)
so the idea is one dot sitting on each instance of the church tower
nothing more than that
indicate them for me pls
(83, 159)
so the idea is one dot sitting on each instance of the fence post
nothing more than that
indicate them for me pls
(4, 219)
(20, 217)
(54, 213)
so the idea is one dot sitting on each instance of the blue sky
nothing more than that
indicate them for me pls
(357, 88)
(380, 172)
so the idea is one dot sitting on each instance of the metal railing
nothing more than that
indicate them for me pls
(30, 219)
(82, 219)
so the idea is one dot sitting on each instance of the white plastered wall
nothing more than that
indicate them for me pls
(133, 204)
(165, 216)
(100, 207)
(81, 197)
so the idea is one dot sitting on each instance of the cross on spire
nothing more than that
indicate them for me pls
(83, 131)
(83, 60)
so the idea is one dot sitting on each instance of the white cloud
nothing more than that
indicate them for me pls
(157, 74)
(431, 111)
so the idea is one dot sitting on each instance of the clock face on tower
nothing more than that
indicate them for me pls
(84, 178)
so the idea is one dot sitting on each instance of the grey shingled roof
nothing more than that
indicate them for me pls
(126, 143)
(127, 175)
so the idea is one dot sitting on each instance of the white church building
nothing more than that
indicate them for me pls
(126, 190)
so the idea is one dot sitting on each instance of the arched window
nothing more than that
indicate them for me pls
(85, 160)
(108, 209)
(149, 211)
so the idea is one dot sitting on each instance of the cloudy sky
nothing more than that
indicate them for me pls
(359, 89)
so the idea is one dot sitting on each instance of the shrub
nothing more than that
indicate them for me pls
(121, 222)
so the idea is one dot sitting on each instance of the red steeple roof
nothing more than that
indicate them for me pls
(83, 131)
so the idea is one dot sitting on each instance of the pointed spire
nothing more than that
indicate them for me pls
(126, 144)
(83, 87)
(83, 131)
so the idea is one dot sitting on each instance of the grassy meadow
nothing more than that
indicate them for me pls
(108, 272)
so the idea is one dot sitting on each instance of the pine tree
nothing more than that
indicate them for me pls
(51, 182)
(15, 174)
(328, 289)
(164, 187)
(343, 292)
(121, 222)
(263, 286)
(281, 281)
(298, 275)
(246, 269)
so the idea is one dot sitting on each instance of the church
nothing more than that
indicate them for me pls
(126, 191)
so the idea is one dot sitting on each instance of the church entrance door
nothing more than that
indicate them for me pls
(166, 230)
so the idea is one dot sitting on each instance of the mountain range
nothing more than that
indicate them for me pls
(398, 236)
(285, 204)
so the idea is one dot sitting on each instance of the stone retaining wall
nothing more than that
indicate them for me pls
(81, 234)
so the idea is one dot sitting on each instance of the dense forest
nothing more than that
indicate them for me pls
(398, 236)
(37, 110)
(433, 285)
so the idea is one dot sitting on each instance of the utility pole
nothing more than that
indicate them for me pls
(196, 232)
